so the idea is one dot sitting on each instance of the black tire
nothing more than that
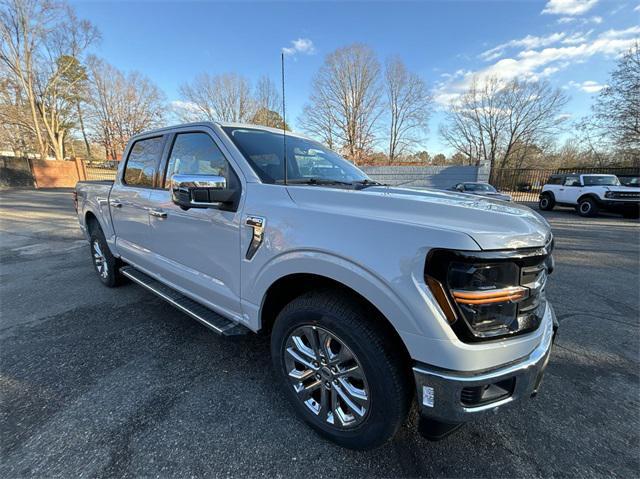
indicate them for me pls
(546, 202)
(109, 276)
(386, 376)
(588, 207)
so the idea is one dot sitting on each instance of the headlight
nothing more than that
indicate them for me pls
(486, 298)
(487, 295)
(609, 194)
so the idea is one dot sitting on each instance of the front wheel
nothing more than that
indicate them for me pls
(338, 370)
(588, 207)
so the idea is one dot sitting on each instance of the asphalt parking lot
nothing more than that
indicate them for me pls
(99, 382)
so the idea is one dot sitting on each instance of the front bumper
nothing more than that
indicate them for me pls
(456, 397)
(620, 206)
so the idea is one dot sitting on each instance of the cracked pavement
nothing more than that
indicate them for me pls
(98, 382)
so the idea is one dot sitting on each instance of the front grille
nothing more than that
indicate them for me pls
(619, 195)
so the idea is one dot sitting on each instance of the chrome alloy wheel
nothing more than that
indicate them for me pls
(326, 376)
(99, 260)
(585, 207)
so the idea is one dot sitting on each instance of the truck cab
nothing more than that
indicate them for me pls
(372, 296)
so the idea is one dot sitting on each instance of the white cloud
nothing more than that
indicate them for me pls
(529, 41)
(577, 37)
(569, 7)
(637, 9)
(597, 20)
(301, 45)
(588, 86)
(535, 64)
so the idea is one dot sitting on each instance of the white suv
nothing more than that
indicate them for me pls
(590, 194)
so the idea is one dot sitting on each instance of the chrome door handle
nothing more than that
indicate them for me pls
(158, 213)
(115, 204)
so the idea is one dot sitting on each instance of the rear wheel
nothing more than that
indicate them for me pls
(338, 371)
(588, 207)
(106, 265)
(546, 202)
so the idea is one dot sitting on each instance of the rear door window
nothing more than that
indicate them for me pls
(142, 162)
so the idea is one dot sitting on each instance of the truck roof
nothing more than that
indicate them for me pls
(218, 123)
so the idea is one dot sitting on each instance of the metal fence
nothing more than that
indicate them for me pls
(422, 176)
(525, 184)
(100, 170)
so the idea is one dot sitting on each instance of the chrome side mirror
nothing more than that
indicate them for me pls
(201, 191)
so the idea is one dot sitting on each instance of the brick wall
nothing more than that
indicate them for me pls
(23, 172)
(441, 177)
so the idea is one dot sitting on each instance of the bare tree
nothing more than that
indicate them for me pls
(267, 96)
(497, 122)
(408, 102)
(42, 44)
(121, 105)
(267, 105)
(615, 123)
(17, 132)
(318, 120)
(224, 97)
(346, 92)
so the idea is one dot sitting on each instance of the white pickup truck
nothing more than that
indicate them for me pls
(589, 194)
(371, 295)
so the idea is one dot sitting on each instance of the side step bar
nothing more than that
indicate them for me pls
(200, 313)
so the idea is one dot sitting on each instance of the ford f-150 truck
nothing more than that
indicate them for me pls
(372, 296)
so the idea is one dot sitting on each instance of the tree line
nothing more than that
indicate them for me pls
(58, 100)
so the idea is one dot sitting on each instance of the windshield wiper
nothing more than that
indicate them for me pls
(360, 184)
(316, 181)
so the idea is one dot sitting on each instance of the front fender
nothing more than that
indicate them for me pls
(339, 269)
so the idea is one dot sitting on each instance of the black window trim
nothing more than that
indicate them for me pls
(154, 181)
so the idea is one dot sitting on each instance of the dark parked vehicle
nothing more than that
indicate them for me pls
(481, 189)
(629, 181)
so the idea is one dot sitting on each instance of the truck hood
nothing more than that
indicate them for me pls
(623, 189)
(492, 224)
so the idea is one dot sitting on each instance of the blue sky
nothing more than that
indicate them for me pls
(571, 43)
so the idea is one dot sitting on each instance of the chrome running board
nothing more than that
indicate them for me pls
(200, 313)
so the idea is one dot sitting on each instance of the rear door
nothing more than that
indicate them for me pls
(198, 250)
(129, 200)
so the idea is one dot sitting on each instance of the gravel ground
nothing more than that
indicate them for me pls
(99, 382)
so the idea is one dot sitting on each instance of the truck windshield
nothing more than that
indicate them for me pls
(601, 180)
(308, 162)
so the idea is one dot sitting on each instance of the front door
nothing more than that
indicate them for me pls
(129, 200)
(569, 190)
(198, 250)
